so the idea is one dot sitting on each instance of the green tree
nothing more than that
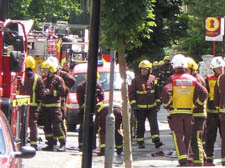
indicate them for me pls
(43, 10)
(121, 22)
(171, 23)
(194, 43)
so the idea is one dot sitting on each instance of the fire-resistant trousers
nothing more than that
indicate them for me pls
(52, 119)
(212, 126)
(151, 115)
(196, 141)
(181, 128)
(33, 117)
(101, 122)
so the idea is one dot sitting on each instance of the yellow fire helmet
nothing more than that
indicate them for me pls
(30, 62)
(145, 64)
(45, 65)
(161, 63)
(167, 58)
(192, 64)
(155, 63)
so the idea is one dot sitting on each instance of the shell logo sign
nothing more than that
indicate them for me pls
(214, 29)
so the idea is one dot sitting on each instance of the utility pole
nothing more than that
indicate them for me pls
(110, 119)
(91, 85)
(4, 6)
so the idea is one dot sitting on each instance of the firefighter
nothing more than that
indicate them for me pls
(144, 100)
(51, 107)
(212, 122)
(180, 93)
(33, 86)
(81, 92)
(219, 99)
(199, 115)
(166, 70)
(66, 67)
(155, 69)
(101, 113)
(69, 81)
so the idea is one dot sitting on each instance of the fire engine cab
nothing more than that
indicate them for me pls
(13, 51)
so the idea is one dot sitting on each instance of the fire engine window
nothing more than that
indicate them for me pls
(2, 142)
(79, 78)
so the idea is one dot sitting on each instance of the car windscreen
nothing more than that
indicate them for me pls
(104, 81)
(2, 142)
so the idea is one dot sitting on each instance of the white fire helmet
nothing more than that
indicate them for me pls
(53, 60)
(179, 61)
(217, 62)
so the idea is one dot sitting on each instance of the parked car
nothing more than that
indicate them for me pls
(11, 153)
(79, 72)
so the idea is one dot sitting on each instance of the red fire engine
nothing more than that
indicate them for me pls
(13, 51)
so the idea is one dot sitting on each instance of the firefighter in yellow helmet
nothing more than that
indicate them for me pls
(155, 68)
(166, 70)
(51, 107)
(34, 87)
(213, 123)
(179, 95)
(199, 115)
(144, 100)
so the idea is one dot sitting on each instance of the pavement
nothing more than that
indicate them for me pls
(165, 156)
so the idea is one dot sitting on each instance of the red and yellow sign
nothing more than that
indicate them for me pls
(212, 26)
(214, 29)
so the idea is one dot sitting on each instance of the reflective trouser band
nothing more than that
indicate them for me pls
(176, 147)
(119, 146)
(55, 93)
(158, 100)
(209, 158)
(199, 114)
(223, 159)
(102, 146)
(49, 135)
(33, 142)
(146, 106)
(33, 104)
(155, 136)
(212, 111)
(140, 139)
(222, 110)
(200, 151)
(51, 105)
(63, 136)
(132, 102)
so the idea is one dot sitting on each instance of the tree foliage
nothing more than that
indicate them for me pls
(171, 23)
(42, 10)
(124, 19)
(194, 43)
